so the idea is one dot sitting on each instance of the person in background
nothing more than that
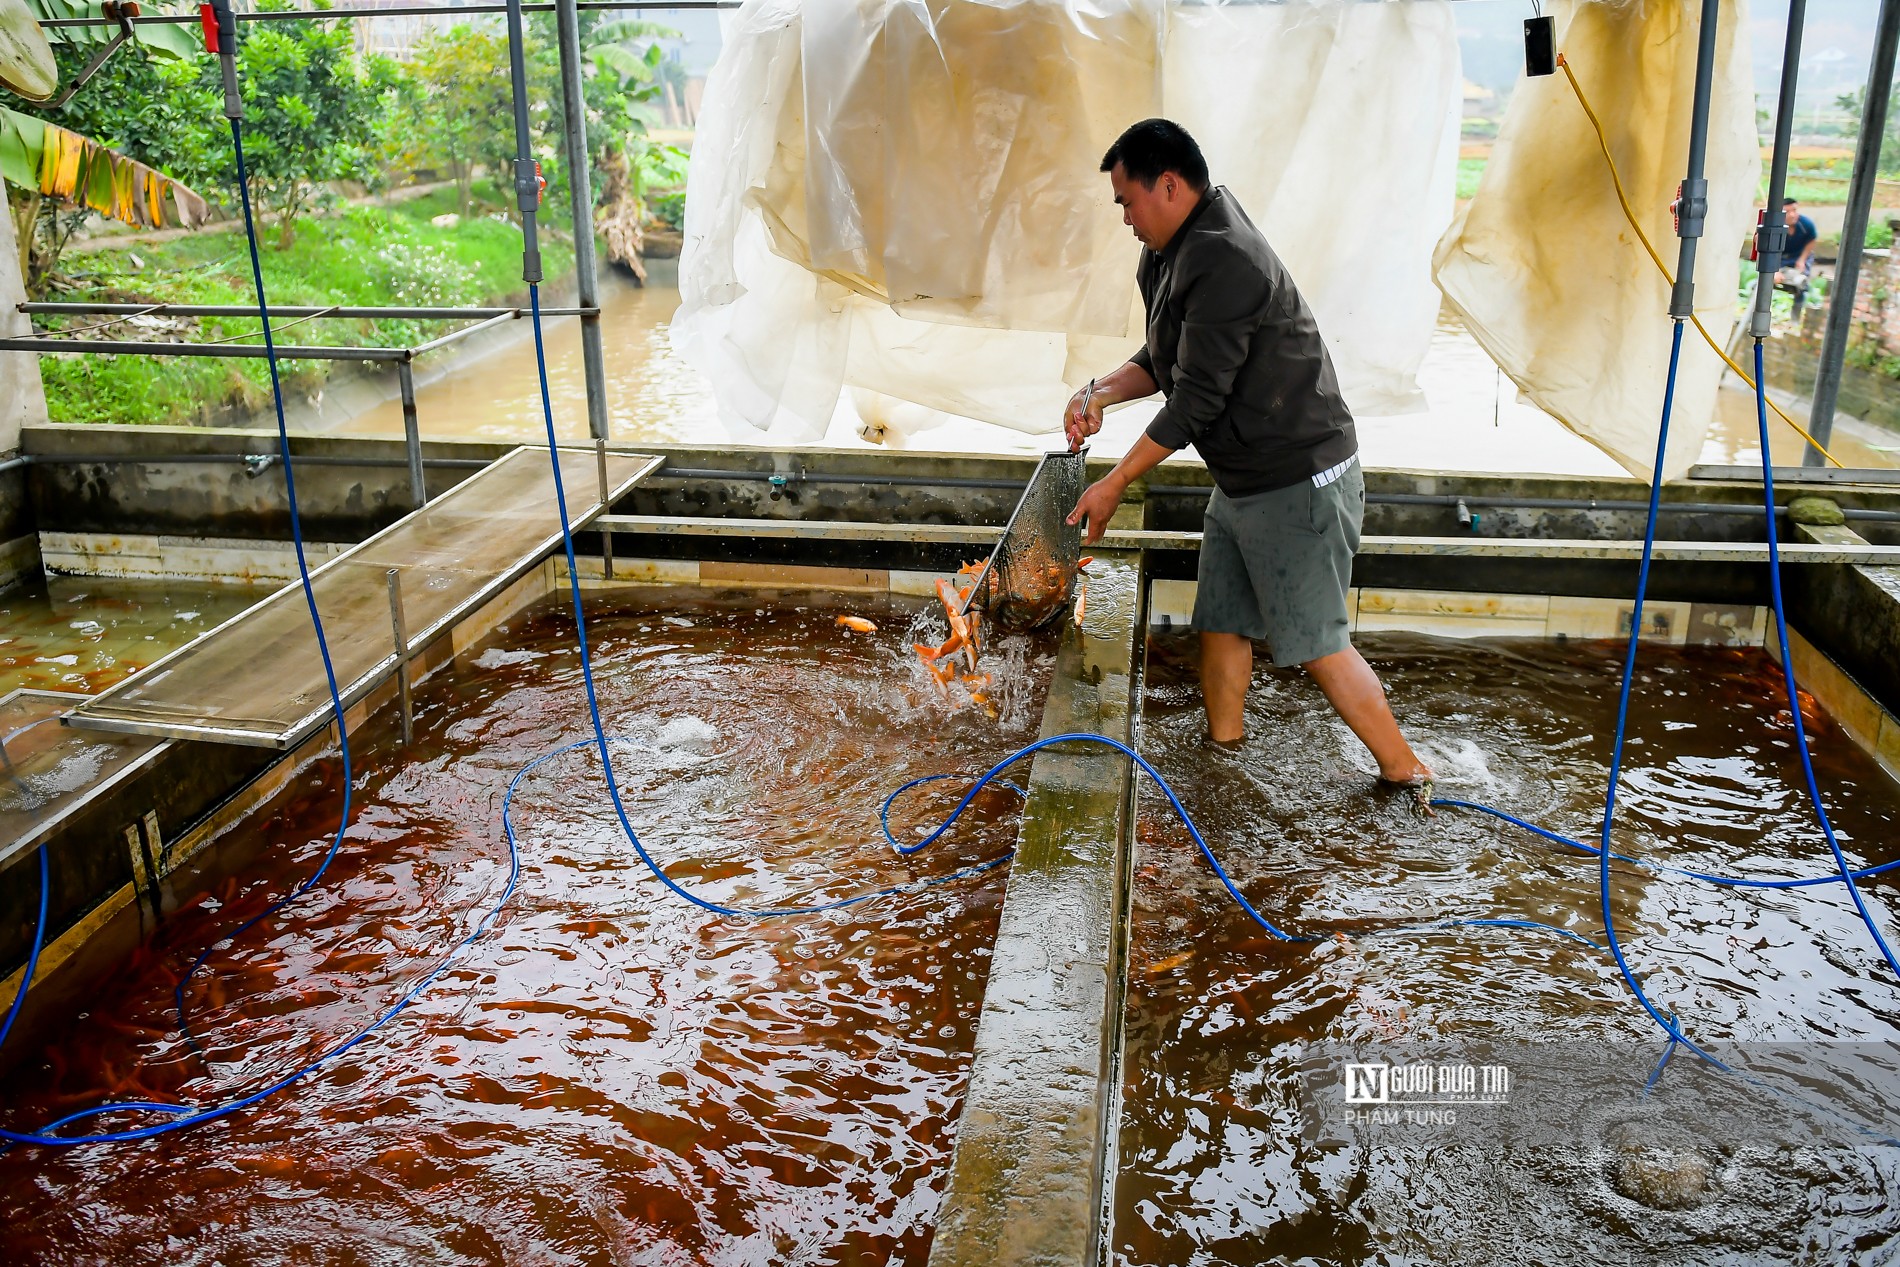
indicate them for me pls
(1798, 256)
(1250, 385)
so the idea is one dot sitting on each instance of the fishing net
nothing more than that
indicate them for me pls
(1028, 577)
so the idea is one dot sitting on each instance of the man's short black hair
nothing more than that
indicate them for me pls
(1154, 146)
(1790, 202)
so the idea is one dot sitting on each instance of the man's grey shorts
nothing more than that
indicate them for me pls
(1275, 566)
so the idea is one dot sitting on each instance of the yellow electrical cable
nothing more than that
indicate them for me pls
(1623, 198)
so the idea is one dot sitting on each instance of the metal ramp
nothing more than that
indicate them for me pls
(258, 680)
(48, 773)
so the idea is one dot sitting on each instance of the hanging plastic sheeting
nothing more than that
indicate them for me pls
(1542, 264)
(903, 196)
(1336, 125)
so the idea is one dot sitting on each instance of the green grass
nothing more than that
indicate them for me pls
(362, 256)
(1469, 170)
(1823, 193)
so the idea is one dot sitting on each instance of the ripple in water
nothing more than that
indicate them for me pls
(611, 1076)
(1215, 1169)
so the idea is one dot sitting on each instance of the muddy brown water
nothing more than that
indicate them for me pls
(1214, 1166)
(610, 1076)
(85, 634)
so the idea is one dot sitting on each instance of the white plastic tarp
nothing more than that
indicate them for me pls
(1542, 264)
(903, 197)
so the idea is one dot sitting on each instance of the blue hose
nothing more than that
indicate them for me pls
(184, 1115)
(883, 817)
(1662, 868)
(1787, 670)
(187, 1115)
(33, 956)
(1623, 709)
(309, 596)
(1602, 851)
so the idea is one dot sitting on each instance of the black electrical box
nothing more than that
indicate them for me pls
(1540, 46)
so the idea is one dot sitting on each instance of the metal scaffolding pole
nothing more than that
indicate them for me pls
(412, 435)
(395, 11)
(1694, 201)
(1773, 237)
(581, 195)
(395, 311)
(238, 351)
(1860, 201)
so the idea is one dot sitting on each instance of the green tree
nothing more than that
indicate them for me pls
(310, 110)
(624, 69)
(1889, 164)
(466, 115)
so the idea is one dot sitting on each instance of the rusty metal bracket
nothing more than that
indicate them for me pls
(120, 11)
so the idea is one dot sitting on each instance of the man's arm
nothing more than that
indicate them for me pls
(1098, 502)
(1226, 299)
(1131, 381)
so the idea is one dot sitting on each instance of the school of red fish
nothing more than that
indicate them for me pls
(966, 636)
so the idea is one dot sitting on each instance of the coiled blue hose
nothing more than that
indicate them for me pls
(184, 1115)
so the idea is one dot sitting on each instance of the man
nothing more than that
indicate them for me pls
(1798, 255)
(1249, 384)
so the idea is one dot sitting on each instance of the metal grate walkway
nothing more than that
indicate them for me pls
(258, 680)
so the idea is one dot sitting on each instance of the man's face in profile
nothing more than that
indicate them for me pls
(1154, 214)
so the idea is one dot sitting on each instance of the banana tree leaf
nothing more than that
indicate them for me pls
(168, 40)
(22, 138)
(78, 170)
(26, 58)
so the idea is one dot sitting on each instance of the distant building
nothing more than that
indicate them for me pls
(398, 34)
(1479, 100)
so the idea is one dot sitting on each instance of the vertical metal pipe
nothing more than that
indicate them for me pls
(1860, 198)
(581, 190)
(1693, 204)
(1774, 230)
(606, 534)
(527, 175)
(412, 435)
(399, 632)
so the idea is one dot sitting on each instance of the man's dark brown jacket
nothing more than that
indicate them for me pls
(1236, 351)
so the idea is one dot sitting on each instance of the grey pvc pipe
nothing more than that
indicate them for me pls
(581, 198)
(1774, 222)
(1694, 198)
(527, 183)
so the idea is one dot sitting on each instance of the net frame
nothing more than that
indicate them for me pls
(1030, 575)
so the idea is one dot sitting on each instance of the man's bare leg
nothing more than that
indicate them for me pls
(1226, 672)
(1355, 694)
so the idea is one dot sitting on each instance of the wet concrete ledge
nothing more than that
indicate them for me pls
(1026, 1180)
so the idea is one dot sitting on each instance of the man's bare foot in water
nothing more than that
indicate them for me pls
(1416, 779)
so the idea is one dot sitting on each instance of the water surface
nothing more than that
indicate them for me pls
(82, 634)
(1214, 1166)
(610, 1076)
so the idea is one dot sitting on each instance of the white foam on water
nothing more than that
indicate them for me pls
(496, 658)
(691, 733)
(1460, 761)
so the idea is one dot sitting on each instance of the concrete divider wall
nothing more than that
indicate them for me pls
(1026, 1181)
